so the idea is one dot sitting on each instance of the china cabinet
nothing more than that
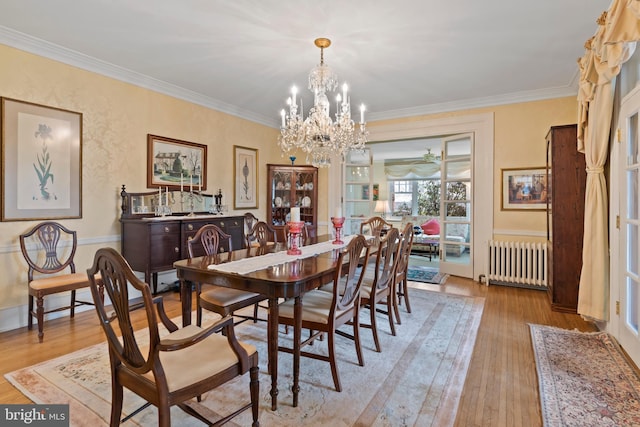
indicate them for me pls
(358, 189)
(566, 181)
(153, 239)
(292, 186)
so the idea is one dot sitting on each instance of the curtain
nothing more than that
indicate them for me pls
(421, 170)
(606, 51)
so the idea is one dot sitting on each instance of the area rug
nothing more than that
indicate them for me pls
(584, 379)
(416, 379)
(421, 273)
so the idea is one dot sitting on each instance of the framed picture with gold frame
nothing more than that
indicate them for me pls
(524, 189)
(176, 164)
(41, 162)
(245, 173)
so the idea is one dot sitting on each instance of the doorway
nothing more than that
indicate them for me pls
(429, 182)
(482, 128)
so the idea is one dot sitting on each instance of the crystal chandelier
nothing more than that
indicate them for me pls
(318, 135)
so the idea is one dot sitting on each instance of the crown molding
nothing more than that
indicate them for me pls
(489, 101)
(55, 52)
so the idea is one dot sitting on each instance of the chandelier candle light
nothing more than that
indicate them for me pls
(318, 135)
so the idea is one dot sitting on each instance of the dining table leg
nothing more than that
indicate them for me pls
(272, 349)
(185, 296)
(297, 338)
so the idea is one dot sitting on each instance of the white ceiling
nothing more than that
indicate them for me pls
(400, 58)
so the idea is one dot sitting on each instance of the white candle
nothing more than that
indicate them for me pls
(282, 114)
(181, 183)
(294, 91)
(295, 214)
(159, 196)
(338, 99)
(191, 182)
(200, 183)
(166, 194)
(362, 113)
(344, 92)
(338, 212)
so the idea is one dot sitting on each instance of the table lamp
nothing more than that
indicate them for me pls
(381, 208)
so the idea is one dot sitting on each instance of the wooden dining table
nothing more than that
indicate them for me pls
(290, 279)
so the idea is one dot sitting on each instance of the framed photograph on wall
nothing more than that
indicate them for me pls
(175, 164)
(41, 162)
(524, 189)
(245, 173)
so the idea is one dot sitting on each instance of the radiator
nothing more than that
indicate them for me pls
(518, 263)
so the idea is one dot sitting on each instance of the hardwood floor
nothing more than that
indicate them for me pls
(501, 388)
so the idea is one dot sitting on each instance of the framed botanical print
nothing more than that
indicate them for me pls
(41, 162)
(245, 173)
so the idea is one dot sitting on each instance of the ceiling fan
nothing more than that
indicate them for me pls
(429, 157)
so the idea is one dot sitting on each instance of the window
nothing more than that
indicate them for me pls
(422, 197)
(403, 198)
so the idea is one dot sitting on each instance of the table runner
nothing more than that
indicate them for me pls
(248, 265)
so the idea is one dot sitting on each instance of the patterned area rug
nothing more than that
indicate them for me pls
(426, 274)
(417, 379)
(584, 379)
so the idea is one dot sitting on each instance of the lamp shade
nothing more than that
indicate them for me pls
(381, 207)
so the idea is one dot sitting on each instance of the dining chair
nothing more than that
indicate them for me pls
(249, 221)
(262, 235)
(324, 312)
(400, 273)
(377, 285)
(375, 226)
(165, 369)
(218, 299)
(49, 249)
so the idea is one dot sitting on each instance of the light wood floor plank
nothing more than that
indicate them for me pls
(501, 385)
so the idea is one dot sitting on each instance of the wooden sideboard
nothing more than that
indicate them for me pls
(151, 244)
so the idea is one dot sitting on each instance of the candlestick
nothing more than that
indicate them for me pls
(181, 183)
(191, 182)
(295, 228)
(338, 223)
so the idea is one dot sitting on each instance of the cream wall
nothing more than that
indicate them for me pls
(116, 120)
(117, 117)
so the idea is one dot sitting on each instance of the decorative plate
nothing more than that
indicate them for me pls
(278, 201)
(306, 201)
